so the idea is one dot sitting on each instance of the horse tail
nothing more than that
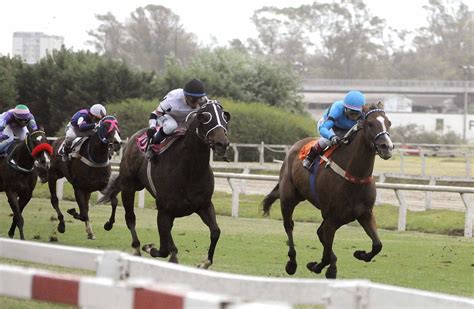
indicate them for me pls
(112, 189)
(270, 198)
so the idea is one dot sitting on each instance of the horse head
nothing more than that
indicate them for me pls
(376, 127)
(109, 132)
(41, 151)
(212, 126)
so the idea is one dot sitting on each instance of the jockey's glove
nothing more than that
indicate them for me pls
(150, 132)
(335, 139)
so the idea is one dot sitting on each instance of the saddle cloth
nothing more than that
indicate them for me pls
(76, 145)
(142, 141)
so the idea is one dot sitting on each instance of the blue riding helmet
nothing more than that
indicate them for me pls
(354, 100)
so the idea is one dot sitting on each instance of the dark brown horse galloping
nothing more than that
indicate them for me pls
(344, 191)
(180, 179)
(19, 172)
(88, 171)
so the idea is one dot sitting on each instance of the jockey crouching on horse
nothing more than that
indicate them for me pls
(15, 123)
(336, 121)
(172, 112)
(82, 124)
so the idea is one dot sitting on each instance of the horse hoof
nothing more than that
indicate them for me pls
(136, 252)
(362, 255)
(91, 236)
(53, 239)
(205, 264)
(72, 212)
(11, 234)
(314, 267)
(158, 253)
(173, 259)
(61, 227)
(291, 267)
(108, 226)
(146, 248)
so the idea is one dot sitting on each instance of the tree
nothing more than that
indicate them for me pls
(152, 34)
(8, 92)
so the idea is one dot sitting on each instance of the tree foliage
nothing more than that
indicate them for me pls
(146, 39)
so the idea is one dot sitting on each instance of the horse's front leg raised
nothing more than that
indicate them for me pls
(326, 232)
(208, 216)
(17, 217)
(367, 221)
(82, 199)
(110, 223)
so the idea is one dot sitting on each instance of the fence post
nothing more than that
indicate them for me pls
(402, 162)
(235, 197)
(469, 215)
(402, 211)
(468, 164)
(60, 188)
(236, 153)
(141, 199)
(428, 194)
(423, 163)
(261, 150)
(381, 179)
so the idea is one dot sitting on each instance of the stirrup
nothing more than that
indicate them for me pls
(149, 154)
(307, 163)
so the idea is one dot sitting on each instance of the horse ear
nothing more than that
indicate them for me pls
(380, 105)
(226, 116)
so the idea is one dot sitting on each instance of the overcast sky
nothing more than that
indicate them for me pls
(222, 20)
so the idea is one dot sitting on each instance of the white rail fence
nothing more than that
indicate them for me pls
(119, 275)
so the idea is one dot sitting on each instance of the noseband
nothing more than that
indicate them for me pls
(215, 113)
(374, 146)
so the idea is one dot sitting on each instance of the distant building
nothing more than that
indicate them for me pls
(32, 46)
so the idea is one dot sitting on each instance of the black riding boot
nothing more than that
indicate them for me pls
(157, 138)
(313, 153)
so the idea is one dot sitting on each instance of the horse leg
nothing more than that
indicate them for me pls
(55, 203)
(84, 212)
(367, 221)
(128, 200)
(110, 224)
(17, 217)
(82, 199)
(23, 200)
(167, 247)
(326, 232)
(208, 216)
(287, 208)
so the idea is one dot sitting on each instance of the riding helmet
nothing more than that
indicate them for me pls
(98, 110)
(354, 100)
(194, 88)
(21, 112)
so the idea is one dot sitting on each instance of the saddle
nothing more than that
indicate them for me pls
(75, 147)
(142, 141)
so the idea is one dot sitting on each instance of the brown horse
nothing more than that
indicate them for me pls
(344, 191)
(180, 179)
(88, 171)
(19, 172)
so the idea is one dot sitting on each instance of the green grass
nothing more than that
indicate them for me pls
(253, 246)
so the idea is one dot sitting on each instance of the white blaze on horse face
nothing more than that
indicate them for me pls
(384, 129)
(117, 137)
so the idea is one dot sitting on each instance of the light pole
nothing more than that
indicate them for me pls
(466, 70)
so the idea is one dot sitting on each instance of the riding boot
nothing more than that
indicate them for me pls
(315, 151)
(66, 151)
(157, 138)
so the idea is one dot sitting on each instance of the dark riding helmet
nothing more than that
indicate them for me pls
(194, 88)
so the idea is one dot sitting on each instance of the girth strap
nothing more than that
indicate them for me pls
(338, 170)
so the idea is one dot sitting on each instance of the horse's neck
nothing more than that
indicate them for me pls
(195, 151)
(22, 156)
(357, 157)
(95, 149)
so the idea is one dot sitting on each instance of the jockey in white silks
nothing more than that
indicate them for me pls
(172, 111)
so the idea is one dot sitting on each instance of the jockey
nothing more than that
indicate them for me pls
(339, 118)
(82, 124)
(15, 123)
(172, 111)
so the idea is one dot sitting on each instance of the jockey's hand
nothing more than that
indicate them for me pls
(3, 137)
(150, 132)
(335, 139)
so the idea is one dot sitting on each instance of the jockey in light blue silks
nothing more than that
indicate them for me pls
(15, 123)
(173, 110)
(339, 118)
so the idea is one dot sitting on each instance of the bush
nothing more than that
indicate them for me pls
(416, 134)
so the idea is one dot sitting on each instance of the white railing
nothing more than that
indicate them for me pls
(113, 265)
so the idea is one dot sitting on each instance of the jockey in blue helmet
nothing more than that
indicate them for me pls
(15, 123)
(339, 118)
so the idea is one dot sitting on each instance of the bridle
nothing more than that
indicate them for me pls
(213, 113)
(373, 144)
